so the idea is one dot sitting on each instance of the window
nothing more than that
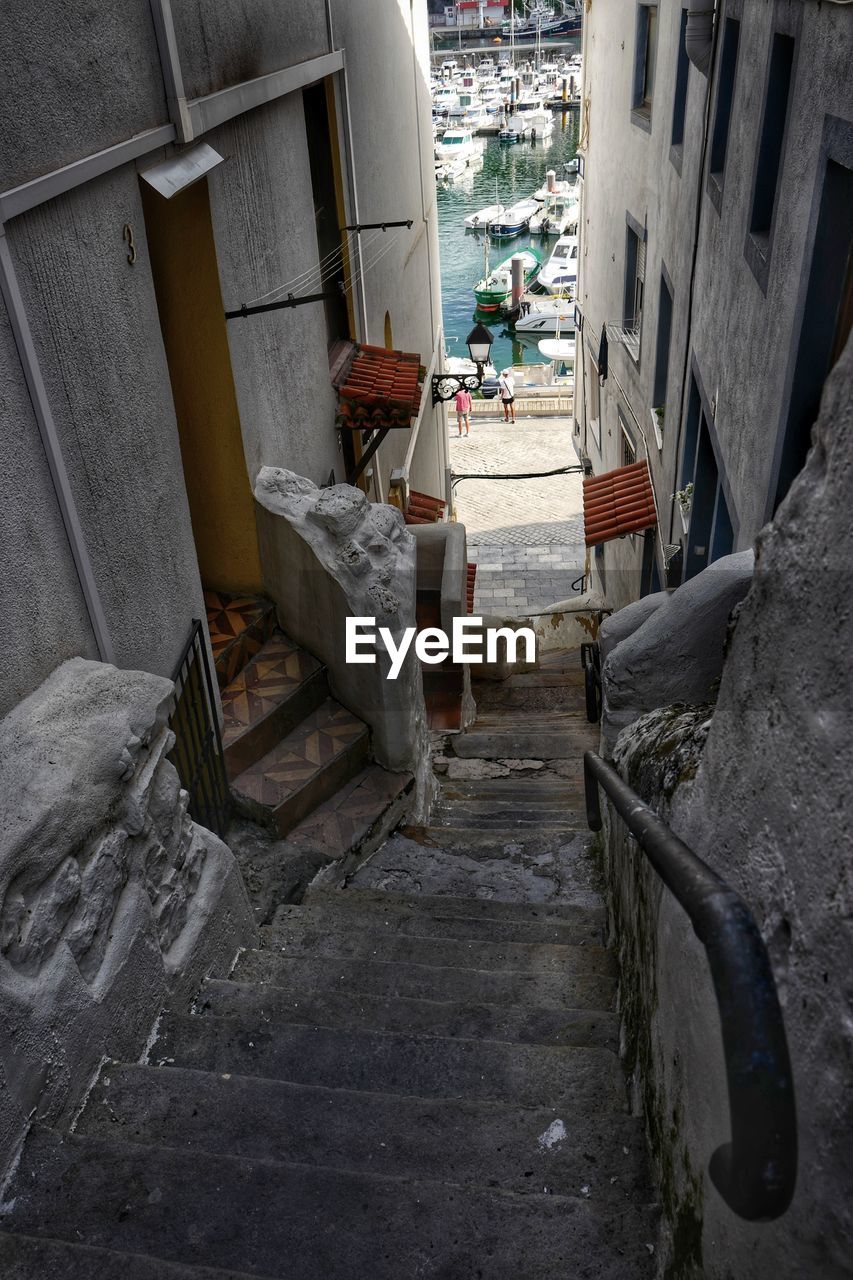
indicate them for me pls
(629, 452)
(723, 109)
(682, 69)
(635, 283)
(772, 134)
(662, 352)
(644, 64)
(593, 399)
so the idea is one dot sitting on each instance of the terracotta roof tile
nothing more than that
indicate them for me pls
(617, 503)
(378, 388)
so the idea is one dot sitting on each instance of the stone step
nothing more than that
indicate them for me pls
(328, 748)
(466, 1143)
(391, 1062)
(301, 936)
(491, 697)
(343, 1009)
(268, 698)
(28, 1258)
(432, 919)
(447, 907)
(306, 1223)
(483, 816)
(518, 744)
(420, 982)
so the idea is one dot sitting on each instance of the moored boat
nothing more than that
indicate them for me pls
(560, 272)
(513, 220)
(496, 286)
(480, 220)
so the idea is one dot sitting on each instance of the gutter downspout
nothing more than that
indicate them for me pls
(699, 37)
(50, 442)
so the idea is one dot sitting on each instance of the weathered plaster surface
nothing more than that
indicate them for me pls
(330, 554)
(767, 804)
(676, 654)
(112, 901)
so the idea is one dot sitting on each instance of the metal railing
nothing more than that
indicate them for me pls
(197, 753)
(756, 1172)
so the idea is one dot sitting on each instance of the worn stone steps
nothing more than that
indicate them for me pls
(521, 744)
(447, 907)
(510, 819)
(402, 917)
(455, 1019)
(265, 1218)
(31, 1258)
(294, 935)
(464, 1142)
(394, 1062)
(420, 982)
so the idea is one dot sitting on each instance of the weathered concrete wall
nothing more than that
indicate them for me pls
(263, 218)
(52, 55)
(230, 41)
(329, 554)
(111, 900)
(766, 802)
(96, 332)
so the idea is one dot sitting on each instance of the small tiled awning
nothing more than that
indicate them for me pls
(378, 388)
(617, 503)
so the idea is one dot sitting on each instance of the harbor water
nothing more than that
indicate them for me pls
(515, 170)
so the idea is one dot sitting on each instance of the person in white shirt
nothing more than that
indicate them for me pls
(506, 385)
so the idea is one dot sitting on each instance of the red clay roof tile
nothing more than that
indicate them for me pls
(617, 503)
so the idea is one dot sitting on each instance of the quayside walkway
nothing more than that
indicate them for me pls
(417, 1074)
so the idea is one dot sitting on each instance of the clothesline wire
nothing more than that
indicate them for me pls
(310, 279)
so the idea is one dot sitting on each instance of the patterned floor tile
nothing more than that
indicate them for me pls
(339, 824)
(278, 668)
(238, 626)
(323, 736)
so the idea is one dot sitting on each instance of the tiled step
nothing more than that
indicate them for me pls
(582, 1028)
(432, 919)
(299, 936)
(329, 747)
(270, 1219)
(29, 1258)
(457, 1141)
(238, 627)
(394, 1062)
(343, 822)
(277, 689)
(306, 975)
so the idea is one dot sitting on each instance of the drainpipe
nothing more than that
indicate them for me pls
(699, 37)
(11, 293)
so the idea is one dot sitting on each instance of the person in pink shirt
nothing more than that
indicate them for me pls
(463, 410)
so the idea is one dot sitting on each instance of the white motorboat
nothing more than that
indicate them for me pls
(445, 98)
(449, 170)
(557, 217)
(476, 117)
(513, 220)
(545, 315)
(456, 144)
(561, 353)
(560, 272)
(480, 220)
(516, 129)
(462, 365)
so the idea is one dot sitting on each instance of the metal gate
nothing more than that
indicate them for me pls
(197, 753)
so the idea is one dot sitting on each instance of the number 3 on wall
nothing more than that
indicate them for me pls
(127, 236)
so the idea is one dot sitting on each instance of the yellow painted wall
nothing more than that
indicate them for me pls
(186, 280)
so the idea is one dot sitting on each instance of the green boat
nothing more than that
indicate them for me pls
(496, 285)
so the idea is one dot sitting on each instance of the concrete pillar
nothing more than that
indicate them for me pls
(517, 279)
(551, 180)
(565, 89)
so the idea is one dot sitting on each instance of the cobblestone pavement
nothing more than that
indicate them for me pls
(526, 536)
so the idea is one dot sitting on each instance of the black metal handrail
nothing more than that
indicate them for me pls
(756, 1172)
(197, 753)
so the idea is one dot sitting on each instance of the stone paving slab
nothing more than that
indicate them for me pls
(526, 536)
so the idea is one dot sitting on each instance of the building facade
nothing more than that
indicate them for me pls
(715, 281)
(157, 175)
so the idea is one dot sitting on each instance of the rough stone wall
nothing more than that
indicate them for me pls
(329, 554)
(766, 801)
(112, 901)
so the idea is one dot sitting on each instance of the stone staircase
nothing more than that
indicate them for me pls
(415, 1075)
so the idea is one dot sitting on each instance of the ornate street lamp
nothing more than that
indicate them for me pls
(446, 385)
